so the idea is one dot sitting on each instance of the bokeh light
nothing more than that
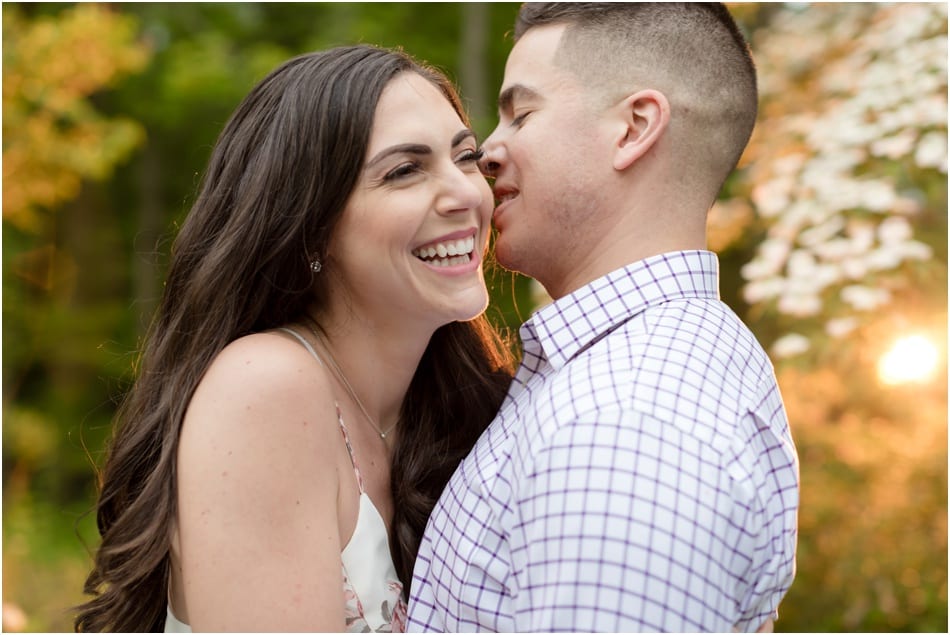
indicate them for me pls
(911, 359)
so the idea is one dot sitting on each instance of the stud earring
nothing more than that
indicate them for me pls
(315, 265)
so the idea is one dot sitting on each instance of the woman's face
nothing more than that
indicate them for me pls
(409, 245)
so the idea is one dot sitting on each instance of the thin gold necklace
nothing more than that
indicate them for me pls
(335, 367)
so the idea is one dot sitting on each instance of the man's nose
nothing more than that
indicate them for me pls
(491, 162)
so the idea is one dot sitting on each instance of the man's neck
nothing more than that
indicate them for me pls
(613, 251)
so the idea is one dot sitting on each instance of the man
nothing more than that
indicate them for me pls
(640, 476)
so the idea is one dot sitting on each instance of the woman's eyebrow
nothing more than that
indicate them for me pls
(402, 148)
(416, 148)
(461, 136)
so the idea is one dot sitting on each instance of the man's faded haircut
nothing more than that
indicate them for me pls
(694, 53)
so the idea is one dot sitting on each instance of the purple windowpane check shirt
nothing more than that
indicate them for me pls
(640, 475)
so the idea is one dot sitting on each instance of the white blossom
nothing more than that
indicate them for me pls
(915, 250)
(826, 173)
(761, 290)
(826, 275)
(854, 268)
(772, 196)
(772, 255)
(839, 327)
(864, 298)
(801, 264)
(932, 151)
(894, 229)
(834, 250)
(883, 258)
(877, 196)
(790, 345)
(896, 146)
(820, 234)
(800, 304)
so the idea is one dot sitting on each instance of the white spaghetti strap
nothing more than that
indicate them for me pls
(304, 342)
(349, 448)
(339, 415)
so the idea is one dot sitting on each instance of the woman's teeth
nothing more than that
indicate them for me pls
(447, 254)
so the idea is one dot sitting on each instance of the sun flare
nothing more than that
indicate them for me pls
(912, 358)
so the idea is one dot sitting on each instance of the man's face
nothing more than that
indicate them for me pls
(546, 163)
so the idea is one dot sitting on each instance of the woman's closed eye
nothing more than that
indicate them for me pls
(402, 171)
(411, 168)
(470, 156)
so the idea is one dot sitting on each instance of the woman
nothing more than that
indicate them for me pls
(318, 367)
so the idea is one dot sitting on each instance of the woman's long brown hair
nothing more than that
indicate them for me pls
(276, 185)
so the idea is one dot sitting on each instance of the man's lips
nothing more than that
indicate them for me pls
(503, 196)
(504, 193)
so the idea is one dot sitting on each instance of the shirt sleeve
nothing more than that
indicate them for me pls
(625, 524)
(771, 452)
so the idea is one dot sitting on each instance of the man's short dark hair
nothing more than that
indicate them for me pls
(694, 53)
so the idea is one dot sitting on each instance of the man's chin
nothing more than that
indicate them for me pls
(506, 256)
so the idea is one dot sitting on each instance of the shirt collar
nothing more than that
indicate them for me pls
(564, 327)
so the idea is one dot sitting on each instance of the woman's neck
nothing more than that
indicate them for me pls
(377, 361)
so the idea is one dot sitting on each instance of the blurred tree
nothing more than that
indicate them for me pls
(53, 136)
(56, 137)
(873, 519)
(847, 166)
(833, 241)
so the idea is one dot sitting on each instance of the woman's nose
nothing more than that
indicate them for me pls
(463, 191)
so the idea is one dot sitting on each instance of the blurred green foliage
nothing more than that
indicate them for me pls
(126, 102)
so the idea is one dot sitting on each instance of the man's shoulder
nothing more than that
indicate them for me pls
(669, 336)
(688, 361)
(697, 333)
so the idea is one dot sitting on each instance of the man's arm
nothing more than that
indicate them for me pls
(624, 525)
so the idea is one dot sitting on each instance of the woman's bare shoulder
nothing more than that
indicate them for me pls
(266, 369)
(258, 482)
(264, 384)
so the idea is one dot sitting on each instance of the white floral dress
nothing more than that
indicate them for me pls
(371, 590)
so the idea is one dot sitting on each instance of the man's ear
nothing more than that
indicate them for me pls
(645, 116)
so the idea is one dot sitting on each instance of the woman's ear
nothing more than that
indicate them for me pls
(645, 116)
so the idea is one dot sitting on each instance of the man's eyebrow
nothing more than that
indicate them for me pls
(515, 92)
